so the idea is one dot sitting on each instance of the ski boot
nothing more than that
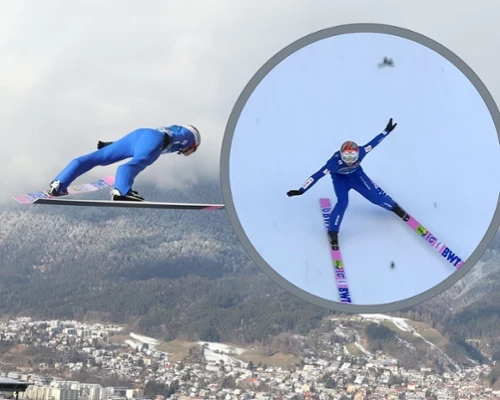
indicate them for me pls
(400, 212)
(132, 195)
(54, 189)
(333, 238)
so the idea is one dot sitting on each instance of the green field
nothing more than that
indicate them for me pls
(353, 349)
(429, 333)
(276, 360)
(177, 349)
(408, 336)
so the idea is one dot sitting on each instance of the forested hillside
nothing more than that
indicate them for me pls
(174, 273)
(171, 273)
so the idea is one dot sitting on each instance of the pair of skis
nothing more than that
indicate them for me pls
(340, 276)
(42, 197)
(34, 197)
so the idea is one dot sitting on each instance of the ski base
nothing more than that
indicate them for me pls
(338, 263)
(33, 197)
(129, 204)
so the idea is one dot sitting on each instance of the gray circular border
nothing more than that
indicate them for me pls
(225, 167)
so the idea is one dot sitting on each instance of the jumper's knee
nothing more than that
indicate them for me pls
(384, 202)
(139, 163)
(81, 162)
(77, 162)
(88, 160)
(341, 205)
(136, 165)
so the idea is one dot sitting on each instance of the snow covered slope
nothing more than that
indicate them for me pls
(333, 91)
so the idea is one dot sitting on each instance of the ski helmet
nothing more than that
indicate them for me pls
(349, 152)
(197, 137)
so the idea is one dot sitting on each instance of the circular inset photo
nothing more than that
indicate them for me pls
(360, 168)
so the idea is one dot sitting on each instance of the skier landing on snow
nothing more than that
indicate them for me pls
(346, 173)
(144, 146)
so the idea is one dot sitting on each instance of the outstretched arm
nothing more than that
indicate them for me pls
(310, 182)
(381, 136)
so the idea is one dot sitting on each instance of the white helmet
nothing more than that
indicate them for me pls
(196, 133)
(349, 152)
(197, 139)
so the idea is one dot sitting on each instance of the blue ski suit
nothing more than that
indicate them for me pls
(143, 145)
(346, 177)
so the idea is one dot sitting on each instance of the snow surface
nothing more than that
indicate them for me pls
(400, 323)
(404, 326)
(140, 340)
(441, 163)
(223, 348)
(214, 352)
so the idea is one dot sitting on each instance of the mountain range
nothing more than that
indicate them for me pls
(183, 274)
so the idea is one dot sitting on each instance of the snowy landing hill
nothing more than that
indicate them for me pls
(380, 340)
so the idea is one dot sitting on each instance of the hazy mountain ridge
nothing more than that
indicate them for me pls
(167, 270)
(106, 238)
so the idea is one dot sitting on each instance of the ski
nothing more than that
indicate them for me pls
(436, 243)
(33, 197)
(130, 204)
(429, 237)
(338, 263)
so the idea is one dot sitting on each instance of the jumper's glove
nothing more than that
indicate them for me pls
(294, 192)
(100, 144)
(390, 126)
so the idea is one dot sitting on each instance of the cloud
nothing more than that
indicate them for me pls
(72, 73)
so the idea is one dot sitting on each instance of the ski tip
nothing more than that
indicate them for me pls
(214, 207)
(22, 200)
(110, 180)
(29, 198)
(325, 202)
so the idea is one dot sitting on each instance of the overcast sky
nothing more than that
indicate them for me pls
(74, 72)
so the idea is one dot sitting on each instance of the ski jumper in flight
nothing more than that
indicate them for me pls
(346, 173)
(144, 146)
